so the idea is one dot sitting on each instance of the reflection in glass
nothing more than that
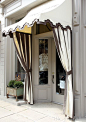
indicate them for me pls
(60, 76)
(19, 71)
(43, 61)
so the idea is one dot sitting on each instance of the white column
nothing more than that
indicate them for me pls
(2, 56)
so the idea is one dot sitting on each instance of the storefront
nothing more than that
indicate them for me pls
(48, 75)
(37, 39)
(47, 71)
(46, 58)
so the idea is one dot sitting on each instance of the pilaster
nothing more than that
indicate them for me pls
(79, 56)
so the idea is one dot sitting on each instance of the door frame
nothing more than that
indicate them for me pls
(36, 86)
(56, 98)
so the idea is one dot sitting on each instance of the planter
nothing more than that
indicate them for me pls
(15, 92)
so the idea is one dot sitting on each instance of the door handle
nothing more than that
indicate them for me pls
(53, 79)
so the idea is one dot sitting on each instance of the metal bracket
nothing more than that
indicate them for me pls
(76, 19)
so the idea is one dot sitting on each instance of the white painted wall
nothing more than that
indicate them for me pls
(1, 55)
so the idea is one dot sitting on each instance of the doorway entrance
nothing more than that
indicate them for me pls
(46, 82)
(58, 77)
(41, 65)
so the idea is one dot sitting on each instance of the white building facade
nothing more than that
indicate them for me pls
(12, 11)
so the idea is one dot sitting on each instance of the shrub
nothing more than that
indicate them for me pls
(18, 84)
(11, 83)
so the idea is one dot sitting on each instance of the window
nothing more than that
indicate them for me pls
(19, 71)
(43, 61)
(60, 76)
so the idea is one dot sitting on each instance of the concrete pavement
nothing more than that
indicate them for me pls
(39, 112)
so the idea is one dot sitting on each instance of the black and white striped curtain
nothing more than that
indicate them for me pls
(62, 37)
(22, 42)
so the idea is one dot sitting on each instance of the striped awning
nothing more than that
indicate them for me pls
(57, 11)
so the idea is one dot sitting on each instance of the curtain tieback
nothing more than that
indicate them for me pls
(28, 70)
(69, 72)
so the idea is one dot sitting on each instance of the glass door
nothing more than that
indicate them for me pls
(43, 61)
(58, 77)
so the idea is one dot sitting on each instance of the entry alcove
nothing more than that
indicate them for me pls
(42, 16)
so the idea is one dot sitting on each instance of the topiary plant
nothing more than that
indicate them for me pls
(11, 83)
(18, 84)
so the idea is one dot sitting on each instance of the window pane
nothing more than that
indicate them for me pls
(43, 61)
(60, 76)
(19, 71)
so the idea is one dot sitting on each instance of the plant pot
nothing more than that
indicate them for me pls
(15, 92)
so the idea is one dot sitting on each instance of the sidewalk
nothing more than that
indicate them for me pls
(39, 112)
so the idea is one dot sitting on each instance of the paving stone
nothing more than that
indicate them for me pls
(15, 118)
(4, 112)
(30, 114)
(3, 103)
(39, 112)
(48, 119)
(81, 120)
(14, 108)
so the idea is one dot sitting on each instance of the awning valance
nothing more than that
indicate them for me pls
(57, 11)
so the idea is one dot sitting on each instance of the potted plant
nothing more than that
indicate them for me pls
(15, 88)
